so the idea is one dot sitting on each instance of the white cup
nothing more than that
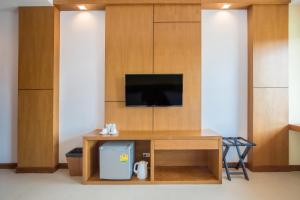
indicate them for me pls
(104, 131)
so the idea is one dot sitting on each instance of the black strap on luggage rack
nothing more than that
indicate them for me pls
(236, 142)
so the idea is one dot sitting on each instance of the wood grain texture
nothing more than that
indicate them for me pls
(294, 127)
(185, 175)
(39, 44)
(36, 169)
(129, 46)
(56, 78)
(89, 159)
(270, 127)
(101, 4)
(268, 86)
(217, 6)
(133, 118)
(256, 2)
(268, 45)
(215, 161)
(140, 147)
(35, 129)
(181, 158)
(152, 159)
(204, 134)
(36, 47)
(185, 144)
(94, 180)
(177, 13)
(177, 49)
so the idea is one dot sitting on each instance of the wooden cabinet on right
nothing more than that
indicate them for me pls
(268, 87)
(270, 128)
(268, 45)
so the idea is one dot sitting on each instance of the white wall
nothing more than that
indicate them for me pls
(294, 81)
(81, 76)
(224, 72)
(294, 63)
(8, 85)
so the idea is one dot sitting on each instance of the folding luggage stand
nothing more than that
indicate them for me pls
(236, 142)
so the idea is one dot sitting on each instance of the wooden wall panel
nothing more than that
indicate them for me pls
(133, 118)
(177, 50)
(269, 45)
(129, 46)
(177, 13)
(36, 47)
(270, 127)
(101, 4)
(56, 82)
(35, 138)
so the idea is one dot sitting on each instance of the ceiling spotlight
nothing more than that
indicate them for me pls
(82, 7)
(226, 6)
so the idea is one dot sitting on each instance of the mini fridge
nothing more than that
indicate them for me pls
(116, 160)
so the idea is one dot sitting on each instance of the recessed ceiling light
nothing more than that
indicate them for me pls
(82, 7)
(226, 6)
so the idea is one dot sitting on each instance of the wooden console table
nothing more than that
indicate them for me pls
(180, 157)
(294, 127)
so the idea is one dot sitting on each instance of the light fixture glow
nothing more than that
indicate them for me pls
(226, 6)
(82, 7)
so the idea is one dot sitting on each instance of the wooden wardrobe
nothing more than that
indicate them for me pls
(38, 89)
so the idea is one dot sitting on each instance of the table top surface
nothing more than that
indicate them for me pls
(295, 127)
(154, 135)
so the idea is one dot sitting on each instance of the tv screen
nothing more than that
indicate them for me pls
(153, 89)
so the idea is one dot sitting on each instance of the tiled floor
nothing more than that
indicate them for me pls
(262, 186)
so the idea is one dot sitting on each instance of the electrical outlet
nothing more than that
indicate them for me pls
(146, 155)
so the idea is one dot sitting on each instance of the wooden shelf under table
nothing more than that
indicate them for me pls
(165, 175)
(184, 175)
(94, 179)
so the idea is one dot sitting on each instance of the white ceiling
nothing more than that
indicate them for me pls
(11, 4)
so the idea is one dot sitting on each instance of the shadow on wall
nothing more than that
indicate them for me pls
(67, 145)
(224, 73)
(8, 85)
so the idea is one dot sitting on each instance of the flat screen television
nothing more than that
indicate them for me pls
(153, 89)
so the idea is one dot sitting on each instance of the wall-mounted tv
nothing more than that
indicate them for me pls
(153, 89)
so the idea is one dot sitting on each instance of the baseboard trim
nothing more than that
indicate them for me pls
(8, 165)
(15, 166)
(36, 169)
(271, 168)
(62, 166)
(295, 167)
(288, 168)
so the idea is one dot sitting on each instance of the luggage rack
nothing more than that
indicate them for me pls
(236, 142)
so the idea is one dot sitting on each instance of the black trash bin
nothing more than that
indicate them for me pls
(74, 159)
